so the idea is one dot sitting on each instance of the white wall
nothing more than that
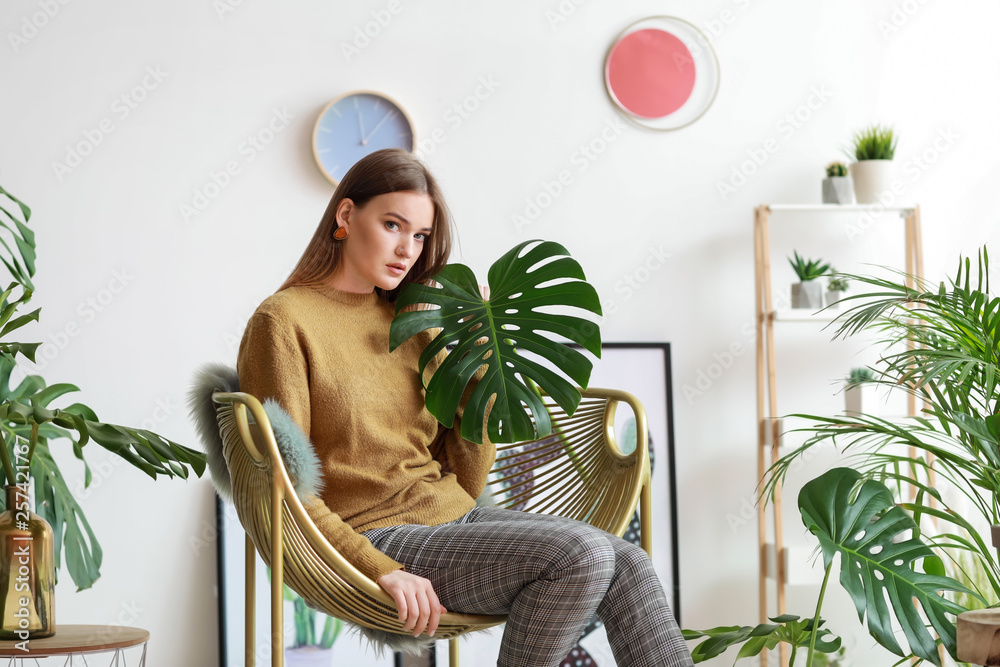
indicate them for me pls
(191, 285)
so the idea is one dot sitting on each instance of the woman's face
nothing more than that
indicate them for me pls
(384, 239)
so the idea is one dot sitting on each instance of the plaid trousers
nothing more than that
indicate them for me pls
(548, 575)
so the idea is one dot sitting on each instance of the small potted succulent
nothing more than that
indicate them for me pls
(857, 394)
(838, 186)
(874, 148)
(835, 289)
(808, 292)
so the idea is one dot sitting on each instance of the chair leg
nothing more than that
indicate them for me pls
(453, 652)
(277, 581)
(645, 514)
(249, 602)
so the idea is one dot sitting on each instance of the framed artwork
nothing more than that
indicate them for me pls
(311, 638)
(643, 370)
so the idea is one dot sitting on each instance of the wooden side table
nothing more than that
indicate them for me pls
(73, 640)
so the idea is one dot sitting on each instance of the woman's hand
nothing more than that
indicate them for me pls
(416, 600)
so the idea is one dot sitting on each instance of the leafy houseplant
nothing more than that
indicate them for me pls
(873, 149)
(808, 292)
(28, 425)
(835, 288)
(942, 464)
(500, 334)
(789, 629)
(878, 543)
(838, 187)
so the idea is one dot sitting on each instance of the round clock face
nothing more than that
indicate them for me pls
(355, 125)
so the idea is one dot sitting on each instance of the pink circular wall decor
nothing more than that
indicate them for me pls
(662, 73)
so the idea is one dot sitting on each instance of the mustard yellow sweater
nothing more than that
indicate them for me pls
(324, 356)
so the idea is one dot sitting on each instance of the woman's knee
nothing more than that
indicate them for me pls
(585, 553)
(634, 569)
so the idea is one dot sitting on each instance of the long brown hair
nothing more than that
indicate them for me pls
(381, 172)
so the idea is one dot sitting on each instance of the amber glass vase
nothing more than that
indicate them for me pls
(27, 571)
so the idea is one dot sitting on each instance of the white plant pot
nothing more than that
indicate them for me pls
(309, 656)
(838, 190)
(871, 178)
(860, 399)
(833, 296)
(807, 295)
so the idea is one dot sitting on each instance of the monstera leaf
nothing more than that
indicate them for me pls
(877, 571)
(785, 628)
(492, 332)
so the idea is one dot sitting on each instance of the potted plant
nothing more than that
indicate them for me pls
(838, 186)
(27, 427)
(942, 463)
(835, 288)
(874, 148)
(857, 393)
(808, 292)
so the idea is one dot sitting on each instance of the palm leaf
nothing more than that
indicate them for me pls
(876, 570)
(497, 333)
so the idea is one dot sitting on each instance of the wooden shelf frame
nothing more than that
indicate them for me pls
(768, 416)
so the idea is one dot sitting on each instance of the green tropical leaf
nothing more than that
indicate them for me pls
(497, 334)
(55, 503)
(52, 392)
(786, 628)
(876, 570)
(24, 239)
(20, 321)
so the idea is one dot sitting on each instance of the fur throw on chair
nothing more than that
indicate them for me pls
(300, 461)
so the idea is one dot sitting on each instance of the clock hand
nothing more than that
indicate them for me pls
(361, 122)
(375, 129)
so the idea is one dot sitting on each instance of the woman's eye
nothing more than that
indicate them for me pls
(391, 225)
(420, 237)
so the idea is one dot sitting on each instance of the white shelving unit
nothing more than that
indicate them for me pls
(775, 559)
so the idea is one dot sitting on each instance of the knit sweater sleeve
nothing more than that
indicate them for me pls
(273, 364)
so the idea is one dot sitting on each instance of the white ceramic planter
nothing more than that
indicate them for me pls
(833, 296)
(807, 295)
(838, 190)
(871, 178)
(309, 656)
(860, 399)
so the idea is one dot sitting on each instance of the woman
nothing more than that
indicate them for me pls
(400, 489)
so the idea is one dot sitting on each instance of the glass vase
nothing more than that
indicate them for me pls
(27, 571)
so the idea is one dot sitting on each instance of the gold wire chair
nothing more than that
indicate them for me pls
(578, 471)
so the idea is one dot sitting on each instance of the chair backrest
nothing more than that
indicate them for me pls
(579, 471)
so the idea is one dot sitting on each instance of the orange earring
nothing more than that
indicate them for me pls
(340, 234)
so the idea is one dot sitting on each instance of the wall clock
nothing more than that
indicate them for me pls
(356, 124)
(662, 73)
